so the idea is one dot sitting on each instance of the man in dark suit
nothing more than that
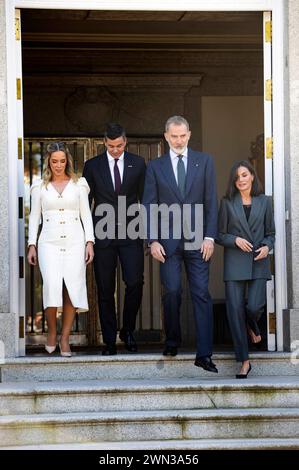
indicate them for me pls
(110, 175)
(185, 178)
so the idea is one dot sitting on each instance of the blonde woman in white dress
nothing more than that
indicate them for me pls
(65, 245)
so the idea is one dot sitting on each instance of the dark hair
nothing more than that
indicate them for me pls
(256, 188)
(114, 130)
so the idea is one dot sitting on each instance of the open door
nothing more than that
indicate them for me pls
(268, 159)
(39, 57)
(20, 178)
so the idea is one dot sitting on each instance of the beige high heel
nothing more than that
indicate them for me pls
(64, 353)
(50, 349)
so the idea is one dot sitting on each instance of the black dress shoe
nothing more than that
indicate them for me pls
(206, 363)
(129, 340)
(109, 350)
(244, 376)
(170, 351)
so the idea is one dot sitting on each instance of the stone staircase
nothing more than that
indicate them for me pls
(146, 401)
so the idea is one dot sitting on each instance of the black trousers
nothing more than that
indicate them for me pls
(105, 263)
(238, 308)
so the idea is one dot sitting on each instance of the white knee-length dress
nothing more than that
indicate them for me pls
(66, 228)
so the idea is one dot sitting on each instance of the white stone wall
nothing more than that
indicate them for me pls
(4, 231)
(293, 232)
(291, 314)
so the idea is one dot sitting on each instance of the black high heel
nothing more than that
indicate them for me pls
(244, 376)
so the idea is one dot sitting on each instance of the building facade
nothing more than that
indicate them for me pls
(212, 57)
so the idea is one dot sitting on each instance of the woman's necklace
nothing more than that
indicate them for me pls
(246, 201)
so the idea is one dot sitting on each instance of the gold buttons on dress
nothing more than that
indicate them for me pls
(61, 209)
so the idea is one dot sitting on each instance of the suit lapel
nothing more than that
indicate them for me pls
(255, 210)
(238, 206)
(192, 169)
(128, 165)
(166, 167)
(105, 172)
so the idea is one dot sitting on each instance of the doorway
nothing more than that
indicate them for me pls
(82, 69)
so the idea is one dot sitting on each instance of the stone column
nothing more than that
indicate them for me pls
(291, 316)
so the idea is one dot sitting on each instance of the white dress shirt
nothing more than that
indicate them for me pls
(120, 165)
(174, 161)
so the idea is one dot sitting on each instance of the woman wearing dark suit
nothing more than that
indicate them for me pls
(247, 232)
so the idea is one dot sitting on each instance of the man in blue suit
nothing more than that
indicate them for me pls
(187, 179)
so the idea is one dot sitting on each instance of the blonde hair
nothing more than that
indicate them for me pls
(69, 169)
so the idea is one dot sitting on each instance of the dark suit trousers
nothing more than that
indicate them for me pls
(105, 263)
(198, 276)
(237, 308)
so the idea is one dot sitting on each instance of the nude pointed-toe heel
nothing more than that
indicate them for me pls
(64, 353)
(50, 349)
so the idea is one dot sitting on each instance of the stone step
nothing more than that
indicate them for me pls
(138, 366)
(173, 445)
(154, 425)
(20, 398)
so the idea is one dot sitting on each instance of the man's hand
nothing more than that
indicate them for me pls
(207, 249)
(157, 252)
(263, 252)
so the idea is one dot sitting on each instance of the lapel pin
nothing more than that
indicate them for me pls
(130, 166)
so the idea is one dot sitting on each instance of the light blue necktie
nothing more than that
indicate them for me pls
(181, 173)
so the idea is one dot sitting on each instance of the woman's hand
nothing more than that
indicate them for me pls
(263, 252)
(243, 244)
(89, 253)
(32, 256)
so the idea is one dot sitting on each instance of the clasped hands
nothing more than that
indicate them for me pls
(245, 245)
